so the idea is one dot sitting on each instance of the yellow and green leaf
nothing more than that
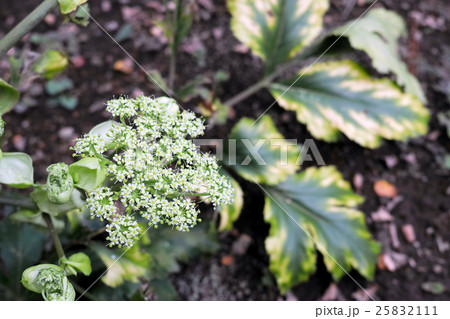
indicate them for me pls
(258, 152)
(310, 211)
(231, 212)
(122, 264)
(277, 30)
(67, 6)
(335, 97)
(377, 34)
(51, 62)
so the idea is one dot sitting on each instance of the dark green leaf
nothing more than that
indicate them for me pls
(340, 96)
(168, 247)
(21, 247)
(315, 210)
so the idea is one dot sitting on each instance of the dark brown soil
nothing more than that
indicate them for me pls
(423, 185)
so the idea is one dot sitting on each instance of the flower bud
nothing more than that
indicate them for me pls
(59, 183)
(50, 281)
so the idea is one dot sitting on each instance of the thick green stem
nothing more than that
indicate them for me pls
(54, 234)
(26, 25)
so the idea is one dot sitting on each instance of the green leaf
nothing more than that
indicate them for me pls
(40, 197)
(21, 247)
(8, 96)
(102, 130)
(123, 265)
(340, 96)
(54, 87)
(377, 34)
(259, 151)
(320, 202)
(50, 63)
(177, 25)
(81, 16)
(168, 247)
(277, 30)
(67, 101)
(34, 218)
(16, 170)
(79, 262)
(67, 6)
(229, 213)
(88, 173)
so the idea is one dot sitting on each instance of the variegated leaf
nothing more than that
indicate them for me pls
(258, 152)
(377, 34)
(277, 30)
(315, 210)
(340, 96)
(231, 212)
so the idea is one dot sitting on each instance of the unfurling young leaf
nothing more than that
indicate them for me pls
(277, 30)
(315, 210)
(340, 96)
(88, 173)
(59, 183)
(50, 281)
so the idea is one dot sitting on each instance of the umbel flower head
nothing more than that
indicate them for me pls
(154, 169)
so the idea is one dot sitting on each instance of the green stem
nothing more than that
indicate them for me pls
(268, 79)
(17, 202)
(54, 235)
(174, 45)
(249, 91)
(26, 25)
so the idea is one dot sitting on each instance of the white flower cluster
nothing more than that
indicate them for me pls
(155, 169)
